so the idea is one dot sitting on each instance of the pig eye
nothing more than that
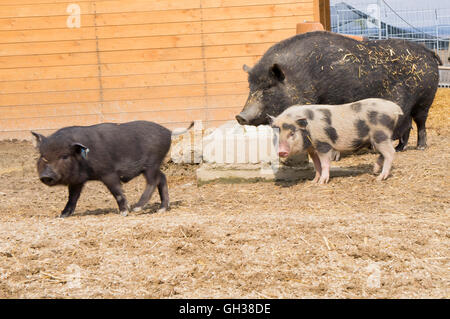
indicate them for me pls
(291, 134)
(64, 157)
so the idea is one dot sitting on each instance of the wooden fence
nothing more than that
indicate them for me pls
(167, 61)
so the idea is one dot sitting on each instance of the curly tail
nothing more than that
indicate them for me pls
(183, 131)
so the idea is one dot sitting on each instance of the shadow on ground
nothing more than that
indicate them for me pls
(353, 170)
(148, 209)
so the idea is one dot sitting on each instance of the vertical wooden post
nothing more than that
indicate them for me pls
(322, 13)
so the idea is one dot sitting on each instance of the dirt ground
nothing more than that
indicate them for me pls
(354, 237)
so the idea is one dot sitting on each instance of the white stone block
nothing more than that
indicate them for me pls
(230, 143)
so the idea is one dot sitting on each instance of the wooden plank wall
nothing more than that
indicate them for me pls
(167, 61)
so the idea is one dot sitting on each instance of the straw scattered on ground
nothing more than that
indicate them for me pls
(354, 237)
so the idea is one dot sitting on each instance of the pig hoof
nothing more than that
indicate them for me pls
(421, 147)
(400, 148)
(137, 209)
(124, 213)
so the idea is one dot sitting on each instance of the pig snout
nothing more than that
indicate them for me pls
(252, 112)
(48, 180)
(283, 150)
(241, 118)
(48, 177)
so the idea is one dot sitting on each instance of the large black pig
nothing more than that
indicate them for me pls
(108, 152)
(328, 68)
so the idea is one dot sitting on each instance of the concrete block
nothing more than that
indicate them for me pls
(234, 143)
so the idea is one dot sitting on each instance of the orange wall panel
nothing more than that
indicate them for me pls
(166, 61)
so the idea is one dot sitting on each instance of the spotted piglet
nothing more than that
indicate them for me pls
(322, 129)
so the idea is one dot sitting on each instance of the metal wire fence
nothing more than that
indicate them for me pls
(377, 19)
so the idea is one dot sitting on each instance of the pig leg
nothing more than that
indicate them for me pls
(421, 135)
(378, 164)
(404, 130)
(152, 177)
(420, 114)
(387, 153)
(316, 161)
(325, 160)
(421, 130)
(336, 156)
(112, 182)
(403, 141)
(74, 195)
(163, 190)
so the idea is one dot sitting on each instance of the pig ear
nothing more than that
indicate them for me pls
(38, 139)
(79, 148)
(302, 123)
(277, 73)
(246, 68)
